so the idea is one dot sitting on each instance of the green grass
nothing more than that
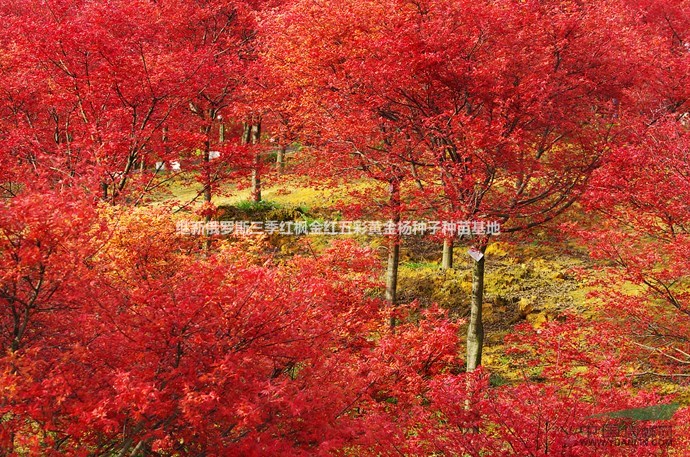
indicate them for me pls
(184, 188)
(417, 265)
(250, 206)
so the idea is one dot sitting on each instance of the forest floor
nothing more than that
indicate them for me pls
(534, 277)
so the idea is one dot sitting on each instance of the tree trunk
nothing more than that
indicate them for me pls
(256, 181)
(256, 132)
(415, 175)
(208, 194)
(207, 178)
(246, 133)
(392, 270)
(207, 170)
(475, 330)
(255, 136)
(447, 262)
(280, 160)
(393, 248)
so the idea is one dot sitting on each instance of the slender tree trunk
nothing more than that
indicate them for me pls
(207, 169)
(415, 175)
(208, 194)
(120, 185)
(255, 136)
(392, 270)
(475, 330)
(393, 248)
(166, 146)
(246, 133)
(207, 179)
(280, 160)
(447, 262)
(256, 132)
(256, 181)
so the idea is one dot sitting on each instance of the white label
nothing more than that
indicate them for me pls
(476, 254)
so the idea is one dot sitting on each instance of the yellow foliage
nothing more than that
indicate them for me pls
(537, 319)
(428, 283)
(498, 249)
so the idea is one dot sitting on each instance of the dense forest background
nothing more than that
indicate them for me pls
(348, 228)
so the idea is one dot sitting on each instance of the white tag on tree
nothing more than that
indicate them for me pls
(476, 254)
